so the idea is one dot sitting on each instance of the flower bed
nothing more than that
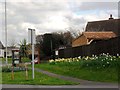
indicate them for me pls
(96, 62)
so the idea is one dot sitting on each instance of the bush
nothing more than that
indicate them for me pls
(6, 69)
(16, 69)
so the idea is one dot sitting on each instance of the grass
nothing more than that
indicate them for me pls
(103, 68)
(4, 60)
(25, 59)
(0, 75)
(97, 68)
(106, 75)
(40, 79)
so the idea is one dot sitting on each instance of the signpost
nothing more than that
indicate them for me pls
(31, 39)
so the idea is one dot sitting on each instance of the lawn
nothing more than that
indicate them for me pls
(40, 79)
(102, 68)
(0, 75)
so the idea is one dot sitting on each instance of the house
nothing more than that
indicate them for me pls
(104, 25)
(9, 51)
(88, 37)
(98, 30)
(1, 50)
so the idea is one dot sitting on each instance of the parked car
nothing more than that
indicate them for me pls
(35, 60)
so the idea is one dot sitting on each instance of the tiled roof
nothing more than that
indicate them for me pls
(104, 25)
(99, 35)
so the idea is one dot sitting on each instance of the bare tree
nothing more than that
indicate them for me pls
(74, 32)
(13, 43)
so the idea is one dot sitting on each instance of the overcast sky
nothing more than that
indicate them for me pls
(51, 16)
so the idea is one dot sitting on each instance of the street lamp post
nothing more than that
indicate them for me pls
(32, 41)
(6, 32)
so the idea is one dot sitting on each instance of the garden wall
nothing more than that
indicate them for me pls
(111, 46)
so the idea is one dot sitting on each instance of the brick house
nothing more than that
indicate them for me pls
(98, 30)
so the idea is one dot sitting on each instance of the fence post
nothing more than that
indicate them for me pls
(26, 72)
(12, 76)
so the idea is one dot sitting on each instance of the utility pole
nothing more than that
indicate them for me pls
(51, 46)
(32, 41)
(6, 32)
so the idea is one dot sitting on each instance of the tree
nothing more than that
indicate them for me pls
(23, 48)
(49, 42)
(67, 37)
(74, 31)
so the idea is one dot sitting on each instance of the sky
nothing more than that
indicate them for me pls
(46, 16)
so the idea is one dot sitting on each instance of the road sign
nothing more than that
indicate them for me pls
(31, 36)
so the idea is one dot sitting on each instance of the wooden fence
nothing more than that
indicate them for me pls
(111, 46)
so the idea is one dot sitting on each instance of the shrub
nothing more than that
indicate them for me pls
(6, 69)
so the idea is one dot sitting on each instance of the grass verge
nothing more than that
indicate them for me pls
(40, 79)
(74, 70)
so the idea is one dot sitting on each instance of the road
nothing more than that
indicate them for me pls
(63, 87)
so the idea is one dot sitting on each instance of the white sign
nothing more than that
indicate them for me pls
(31, 36)
(56, 52)
(16, 62)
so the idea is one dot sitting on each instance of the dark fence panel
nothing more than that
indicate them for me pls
(111, 46)
(61, 53)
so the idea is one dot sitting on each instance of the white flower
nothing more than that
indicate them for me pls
(103, 65)
(111, 59)
(103, 54)
(117, 54)
(79, 57)
(51, 61)
(107, 62)
(77, 60)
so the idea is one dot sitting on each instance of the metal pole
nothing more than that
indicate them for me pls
(6, 32)
(32, 43)
(32, 55)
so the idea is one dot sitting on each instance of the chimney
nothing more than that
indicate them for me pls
(111, 17)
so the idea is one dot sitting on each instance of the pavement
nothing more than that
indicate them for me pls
(59, 86)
